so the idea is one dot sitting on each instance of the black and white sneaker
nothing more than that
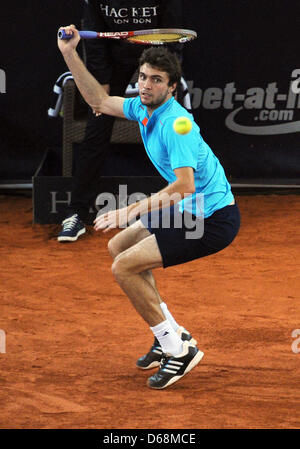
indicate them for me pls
(172, 368)
(72, 229)
(153, 358)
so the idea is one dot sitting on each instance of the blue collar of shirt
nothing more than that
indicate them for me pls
(161, 108)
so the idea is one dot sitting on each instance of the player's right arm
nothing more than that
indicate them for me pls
(93, 93)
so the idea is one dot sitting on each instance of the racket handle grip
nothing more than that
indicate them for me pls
(83, 34)
(88, 34)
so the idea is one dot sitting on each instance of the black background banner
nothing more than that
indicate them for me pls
(239, 72)
(32, 63)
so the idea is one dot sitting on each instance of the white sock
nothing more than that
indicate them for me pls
(168, 316)
(170, 342)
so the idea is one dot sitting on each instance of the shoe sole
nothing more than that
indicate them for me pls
(71, 239)
(198, 357)
(152, 365)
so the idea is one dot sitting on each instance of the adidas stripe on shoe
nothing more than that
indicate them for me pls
(153, 358)
(173, 368)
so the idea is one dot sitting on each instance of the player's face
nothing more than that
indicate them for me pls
(153, 87)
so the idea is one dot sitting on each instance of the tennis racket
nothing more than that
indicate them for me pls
(145, 37)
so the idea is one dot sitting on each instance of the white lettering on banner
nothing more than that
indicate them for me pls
(113, 13)
(256, 105)
(123, 12)
(134, 12)
(148, 11)
(2, 82)
(130, 15)
(141, 20)
(121, 21)
(104, 9)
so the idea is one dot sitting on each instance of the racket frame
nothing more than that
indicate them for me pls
(187, 35)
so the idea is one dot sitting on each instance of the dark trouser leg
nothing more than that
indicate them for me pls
(90, 157)
(93, 150)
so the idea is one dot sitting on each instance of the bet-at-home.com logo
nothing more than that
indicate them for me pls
(258, 111)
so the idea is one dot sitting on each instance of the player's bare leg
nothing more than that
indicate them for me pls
(119, 244)
(178, 357)
(129, 267)
(126, 239)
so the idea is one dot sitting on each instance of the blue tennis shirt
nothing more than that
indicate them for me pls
(168, 150)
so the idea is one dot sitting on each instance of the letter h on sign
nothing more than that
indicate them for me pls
(55, 201)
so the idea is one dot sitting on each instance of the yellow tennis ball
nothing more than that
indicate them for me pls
(182, 125)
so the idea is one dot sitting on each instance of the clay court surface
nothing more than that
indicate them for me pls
(72, 337)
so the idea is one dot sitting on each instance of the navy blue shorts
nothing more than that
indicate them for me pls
(184, 237)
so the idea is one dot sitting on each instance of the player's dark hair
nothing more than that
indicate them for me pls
(163, 60)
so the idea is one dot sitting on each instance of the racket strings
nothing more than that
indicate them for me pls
(159, 38)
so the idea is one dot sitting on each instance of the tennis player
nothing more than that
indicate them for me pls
(156, 237)
(112, 62)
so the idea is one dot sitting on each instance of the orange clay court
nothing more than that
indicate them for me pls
(72, 337)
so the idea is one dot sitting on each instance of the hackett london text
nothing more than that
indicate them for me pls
(147, 11)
